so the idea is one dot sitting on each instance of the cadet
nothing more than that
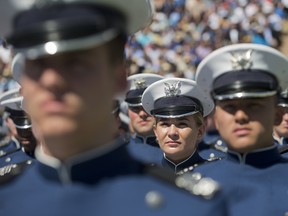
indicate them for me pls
(179, 107)
(74, 51)
(245, 81)
(143, 144)
(12, 150)
(280, 132)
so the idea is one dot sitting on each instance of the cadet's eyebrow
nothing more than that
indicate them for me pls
(183, 118)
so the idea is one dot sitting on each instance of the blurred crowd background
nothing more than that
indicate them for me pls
(183, 32)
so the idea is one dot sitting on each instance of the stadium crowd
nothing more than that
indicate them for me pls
(183, 32)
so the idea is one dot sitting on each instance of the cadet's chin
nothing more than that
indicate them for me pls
(242, 147)
(58, 127)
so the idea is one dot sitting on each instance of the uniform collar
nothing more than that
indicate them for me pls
(88, 167)
(11, 145)
(150, 140)
(280, 141)
(194, 159)
(260, 158)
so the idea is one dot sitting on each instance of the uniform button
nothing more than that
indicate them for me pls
(8, 159)
(219, 142)
(196, 176)
(154, 199)
(212, 155)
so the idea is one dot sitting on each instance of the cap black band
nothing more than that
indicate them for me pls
(244, 81)
(134, 96)
(15, 113)
(178, 105)
(175, 111)
(22, 121)
(61, 22)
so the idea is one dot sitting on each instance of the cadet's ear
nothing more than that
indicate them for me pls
(201, 132)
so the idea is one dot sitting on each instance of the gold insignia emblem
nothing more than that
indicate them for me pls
(140, 83)
(172, 89)
(242, 60)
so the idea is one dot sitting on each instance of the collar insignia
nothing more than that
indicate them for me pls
(172, 89)
(241, 60)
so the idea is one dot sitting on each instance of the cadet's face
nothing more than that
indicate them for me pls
(11, 126)
(69, 96)
(178, 137)
(141, 122)
(27, 139)
(246, 124)
(282, 129)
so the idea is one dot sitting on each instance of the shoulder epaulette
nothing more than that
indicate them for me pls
(11, 171)
(191, 168)
(193, 183)
(218, 146)
(212, 159)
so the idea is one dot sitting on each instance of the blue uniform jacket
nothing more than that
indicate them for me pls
(11, 153)
(145, 150)
(212, 146)
(108, 184)
(283, 149)
(263, 171)
(284, 142)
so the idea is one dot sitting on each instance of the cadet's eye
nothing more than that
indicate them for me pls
(163, 124)
(229, 108)
(34, 69)
(135, 109)
(182, 124)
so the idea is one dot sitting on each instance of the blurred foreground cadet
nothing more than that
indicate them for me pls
(143, 143)
(74, 68)
(245, 80)
(179, 107)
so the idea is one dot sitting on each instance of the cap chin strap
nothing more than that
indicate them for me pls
(23, 126)
(176, 116)
(134, 104)
(239, 95)
(54, 47)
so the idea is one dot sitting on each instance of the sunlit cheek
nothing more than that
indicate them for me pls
(132, 115)
(160, 133)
